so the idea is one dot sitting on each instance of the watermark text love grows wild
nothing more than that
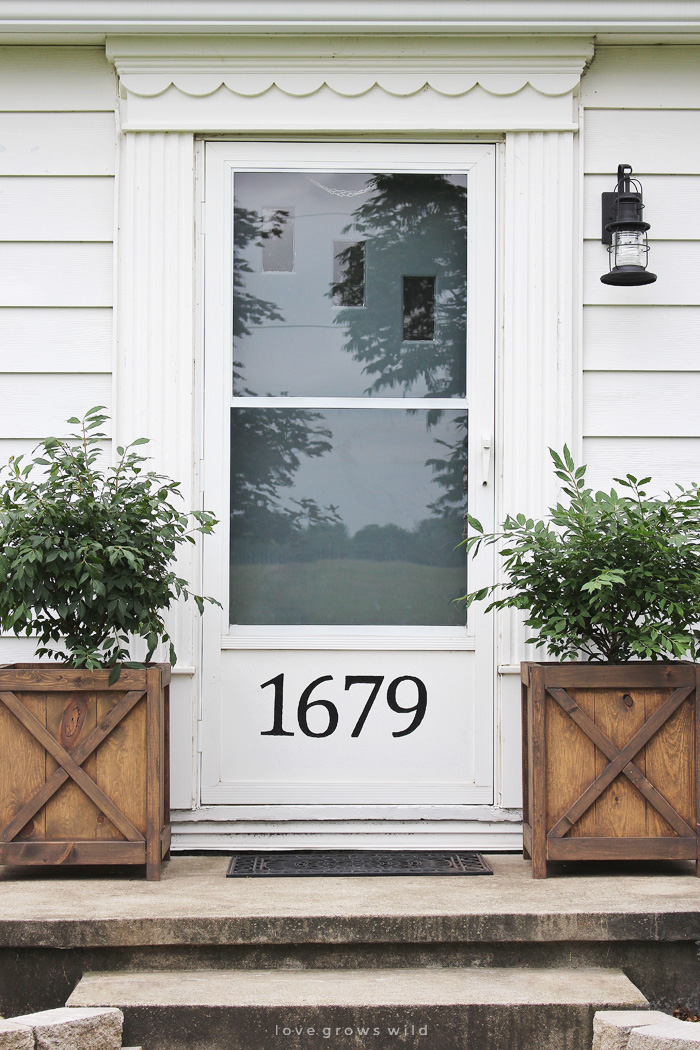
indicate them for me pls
(348, 1031)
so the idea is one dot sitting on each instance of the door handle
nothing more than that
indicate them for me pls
(485, 458)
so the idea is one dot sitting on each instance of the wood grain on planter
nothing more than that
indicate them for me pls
(611, 761)
(83, 766)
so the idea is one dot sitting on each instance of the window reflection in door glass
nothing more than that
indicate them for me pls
(419, 308)
(347, 516)
(323, 263)
(277, 235)
(348, 273)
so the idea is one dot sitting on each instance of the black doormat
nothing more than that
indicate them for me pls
(355, 862)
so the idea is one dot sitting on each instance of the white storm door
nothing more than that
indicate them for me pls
(348, 422)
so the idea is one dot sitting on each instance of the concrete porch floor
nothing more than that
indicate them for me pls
(194, 901)
(55, 924)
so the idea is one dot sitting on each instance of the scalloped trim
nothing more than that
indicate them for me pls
(349, 85)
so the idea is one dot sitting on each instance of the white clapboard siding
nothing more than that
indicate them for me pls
(55, 339)
(676, 264)
(28, 448)
(62, 208)
(668, 461)
(39, 274)
(653, 141)
(35, 406)
(641, 404)
(14, 446)
(641, 338)
(57, 143)
(658, 77)
(17, 650)
(56, 78)
(671, 205)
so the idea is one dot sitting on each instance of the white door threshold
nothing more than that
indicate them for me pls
(485, 828)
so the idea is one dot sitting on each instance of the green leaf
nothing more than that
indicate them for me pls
(86, 550)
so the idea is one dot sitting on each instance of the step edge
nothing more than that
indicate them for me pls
(370, 987)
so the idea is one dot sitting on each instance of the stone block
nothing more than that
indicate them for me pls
(14, 1036)
(670, 1034)
(612, 1028)
(70, 1028)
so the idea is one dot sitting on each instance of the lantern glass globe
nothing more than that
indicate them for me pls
(629, 248)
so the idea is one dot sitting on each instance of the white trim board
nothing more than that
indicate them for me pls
(629, 18)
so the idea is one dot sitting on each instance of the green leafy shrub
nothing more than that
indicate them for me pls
(612, 576)
(85, 551)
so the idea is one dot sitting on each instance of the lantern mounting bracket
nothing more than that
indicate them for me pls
(607, 216)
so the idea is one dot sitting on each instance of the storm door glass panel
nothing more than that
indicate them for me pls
(349, 285)
(348, 288)
(347, 516)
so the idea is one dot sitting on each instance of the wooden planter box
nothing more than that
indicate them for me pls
(84, 766)
(610, 762)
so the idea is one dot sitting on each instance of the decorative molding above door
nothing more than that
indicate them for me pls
(229, 84)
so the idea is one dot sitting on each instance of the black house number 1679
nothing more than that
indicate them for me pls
(399, 694)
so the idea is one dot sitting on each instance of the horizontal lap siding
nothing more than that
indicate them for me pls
(57, 275)
(61, 208)
(38, 405)
(57, 143)
(57, 167)
(641, 346)
(55, 339)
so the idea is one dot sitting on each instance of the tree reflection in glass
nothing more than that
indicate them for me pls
(413, 226)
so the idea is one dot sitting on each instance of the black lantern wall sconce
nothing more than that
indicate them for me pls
(625, 232)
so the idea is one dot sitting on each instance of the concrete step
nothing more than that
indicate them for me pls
(413, 1009)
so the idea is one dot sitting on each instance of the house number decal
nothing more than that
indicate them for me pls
(399, 693)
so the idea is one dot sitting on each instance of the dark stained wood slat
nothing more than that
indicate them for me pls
(23, 769)
(670, 763)
(617, 765)
(527, 836)
(155, 790)
(51, 786)
(71, 766)
(566, 781)
(620, 676)
(70, 813)
(527, 841)
(621, 811)
(50, 853)
(665, 848)
(121, 767)
(537, 779)
(166, 753)
(59, 679)
(646, 788)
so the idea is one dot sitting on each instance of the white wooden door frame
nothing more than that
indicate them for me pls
(478, 161)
